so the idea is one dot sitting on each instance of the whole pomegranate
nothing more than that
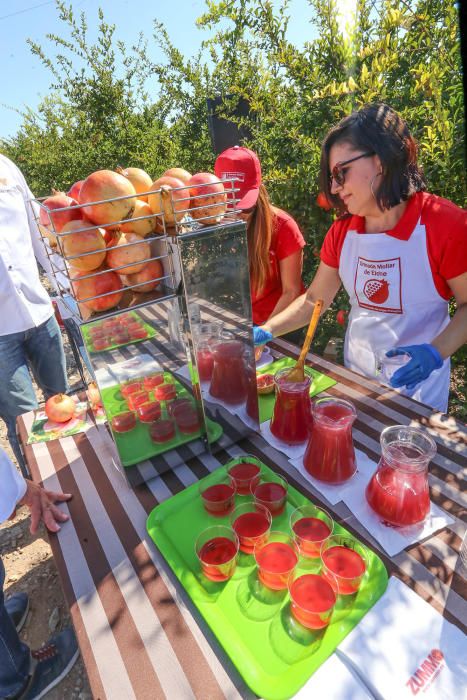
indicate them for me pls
(133, 256)
(140, 180)
(323, 202)
(54, 220)
(150, 274)
(168, 200)
(106, 282)
(143, 227)
(179, 173)
(90, 240)
(208, 202)
(104, 185)
(340, 317)
(75, 190)
(60, 408)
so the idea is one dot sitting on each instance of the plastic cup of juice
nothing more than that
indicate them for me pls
(219, 498)
(123, 422)
(252, 523)
(187, 419)
(165, 392)
(153, 380)
(310, 526)
(149, 411)
(245, 474)
(271, 492)
(137, 399)
(345, 562)
(217, 551)
(162, 430)
(176, 403)
(130, 388)
(312, 599)
(276, 558)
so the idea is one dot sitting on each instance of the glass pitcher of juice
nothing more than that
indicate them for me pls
(291, 419)
(229, 379)
(398, 490)
(330, 454)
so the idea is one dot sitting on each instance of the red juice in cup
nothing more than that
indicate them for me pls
(137, 399)
(123, 422)
(205, 360)
(252, 523)
(344, 563)
(271, 494)
(217, 550)
(244, 475)
(101, 342)
(275, 560)
(165, 392)
(218, 499)
(162, 430)
(130, 388)
(330, 454)
(312, 600)
(186, 418)
(153, 380)
(149, 412)
(311, 526)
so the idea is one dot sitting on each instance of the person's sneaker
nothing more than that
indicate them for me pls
(17, 607)
(53, 661)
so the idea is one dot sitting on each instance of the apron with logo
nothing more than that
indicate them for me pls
(394, 302)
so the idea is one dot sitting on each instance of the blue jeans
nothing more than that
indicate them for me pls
(15, 657)
(39, 349)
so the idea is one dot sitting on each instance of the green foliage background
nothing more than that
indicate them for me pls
(109, 104)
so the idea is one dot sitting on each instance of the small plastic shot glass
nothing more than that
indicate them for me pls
(276, 558)
(344, 563)
(245, 474)
(219, 498)
(252, 523)
(312, 599)
(217, 551)
(310, 526)
(271, 492)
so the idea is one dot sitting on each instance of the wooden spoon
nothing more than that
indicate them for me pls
(297, 373)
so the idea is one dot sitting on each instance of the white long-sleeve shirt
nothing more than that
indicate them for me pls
(24, 302)
(12, 486)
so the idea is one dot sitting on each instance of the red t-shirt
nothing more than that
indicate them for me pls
(446, 235)
(286, 240)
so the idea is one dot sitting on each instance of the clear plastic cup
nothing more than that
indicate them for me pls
(312, 599)
(252, 523)
(311, 526)
(345, 562)
(276, 558)
(245, 474)
(385, 367)
(217, 551)
(271, 492)
(218, 498)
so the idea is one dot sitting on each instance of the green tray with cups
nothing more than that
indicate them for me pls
(320, 382)
(136, 445)
(271, 650)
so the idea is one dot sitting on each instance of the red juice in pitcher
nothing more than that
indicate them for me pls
(330, 454)
(398, 491)
(275, 561)
(291, 420)
(229, 373)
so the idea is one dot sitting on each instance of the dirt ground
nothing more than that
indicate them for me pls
(30, 567)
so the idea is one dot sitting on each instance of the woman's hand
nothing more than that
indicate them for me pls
(425, 359)
(41, 503)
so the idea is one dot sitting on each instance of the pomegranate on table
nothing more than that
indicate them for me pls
(208, 198)
(139, 178)
(60, 408)
(107, 185)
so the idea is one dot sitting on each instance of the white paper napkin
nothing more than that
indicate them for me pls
(392, 539)
(336, 493)
(405, 648)
(333, 681)
(292, 451)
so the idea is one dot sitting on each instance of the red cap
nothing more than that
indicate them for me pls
(243, 165)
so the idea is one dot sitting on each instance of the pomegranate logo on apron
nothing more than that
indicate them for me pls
(378, 285)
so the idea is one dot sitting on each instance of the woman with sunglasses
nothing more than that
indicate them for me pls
(400, 252)
(275, 242)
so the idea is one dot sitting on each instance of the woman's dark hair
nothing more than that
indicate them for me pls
(379, 129)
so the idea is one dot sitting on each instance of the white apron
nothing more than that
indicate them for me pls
(394, 302)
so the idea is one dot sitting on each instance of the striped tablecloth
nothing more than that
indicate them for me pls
(139, 635)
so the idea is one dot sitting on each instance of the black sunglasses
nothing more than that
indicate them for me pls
(338, 171)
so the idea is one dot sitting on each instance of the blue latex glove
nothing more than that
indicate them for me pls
(425, 359)
(261, 336)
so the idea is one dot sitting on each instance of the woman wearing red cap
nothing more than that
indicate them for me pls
(400, 253)
(275, 242)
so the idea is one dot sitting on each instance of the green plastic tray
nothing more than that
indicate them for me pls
(89, 344)
(321, 382)
(274, 654)
(136, 445)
